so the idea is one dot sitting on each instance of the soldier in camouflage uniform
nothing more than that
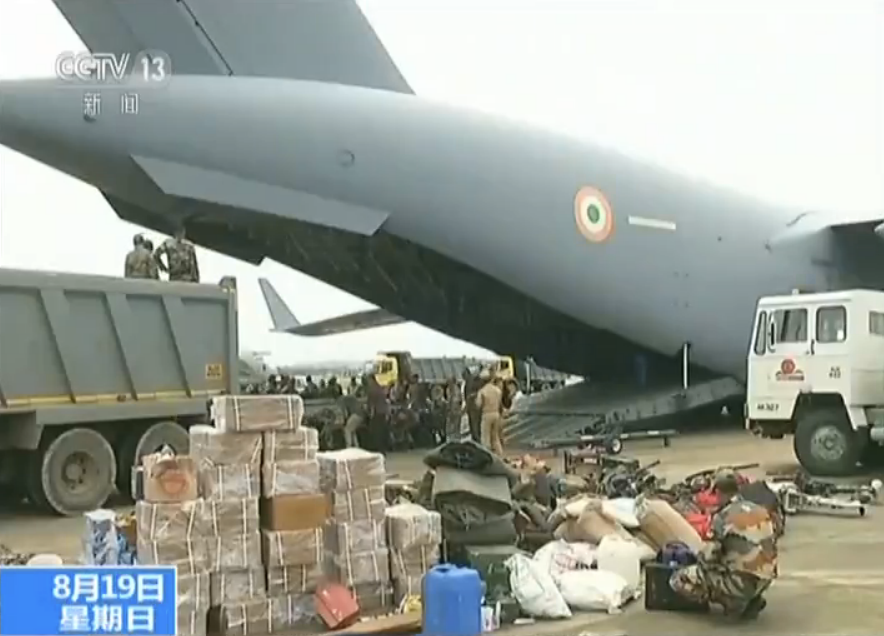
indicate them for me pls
(139, 262)
(739, 564)
(154, 269)
(180, 255)
(454, 411)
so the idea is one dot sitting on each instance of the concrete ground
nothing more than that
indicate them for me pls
(832, 568)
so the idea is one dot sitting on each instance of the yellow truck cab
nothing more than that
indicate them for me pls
(386, 370)
(816, 371)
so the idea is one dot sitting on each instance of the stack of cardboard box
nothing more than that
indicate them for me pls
(414, 534)
(230, 484)
(356, 552)
(171, 523)
(294, 511)
(230, 460)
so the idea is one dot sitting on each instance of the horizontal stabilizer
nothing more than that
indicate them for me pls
(285, 321)
(325, 41)
(213, 186)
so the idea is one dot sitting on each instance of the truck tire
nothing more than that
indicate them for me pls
(77, 472)
(141, 442)
(826, 444)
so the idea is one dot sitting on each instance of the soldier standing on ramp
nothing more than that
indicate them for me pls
(139, 262)
(181, 259)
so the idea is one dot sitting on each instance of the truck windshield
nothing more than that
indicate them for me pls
(791, 325)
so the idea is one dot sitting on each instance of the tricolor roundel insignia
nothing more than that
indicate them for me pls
(593, 214)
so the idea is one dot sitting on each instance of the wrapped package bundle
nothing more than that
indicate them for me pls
(233, 516)
(169, 478)
(294, 512)
(358, 568)
(230, 481)
(373, 598)
(100, 541)
(290, 478)
(296, 547)
(233, 551)
(350, 469)
(211, 447)
(410, 525)
(294, 579)
(237, 586)
(193, 591)
(355, 537)
(409, 586)
(192, 622)
(414, 561)
(189, 556)
(358, 505)
(170, 521)
(291, 446)
(257, 413)
(263, 616)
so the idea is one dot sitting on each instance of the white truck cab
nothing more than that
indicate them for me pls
(816, 371)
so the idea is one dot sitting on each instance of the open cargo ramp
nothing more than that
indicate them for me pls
(589, 408)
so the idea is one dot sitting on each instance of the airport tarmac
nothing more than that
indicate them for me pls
(831, 568)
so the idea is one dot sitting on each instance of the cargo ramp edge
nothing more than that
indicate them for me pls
(587, 408)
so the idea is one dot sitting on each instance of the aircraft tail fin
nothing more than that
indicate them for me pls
(324, 41)
(282, 317)
(284, 320)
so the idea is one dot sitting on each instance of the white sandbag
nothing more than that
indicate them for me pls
(594, 590)
(645, 552)
(622, 557)
(571, 509)
(663, 525)
(535, 590)
(621, 510)
(560, 556)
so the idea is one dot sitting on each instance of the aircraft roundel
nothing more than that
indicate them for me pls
(593, 214)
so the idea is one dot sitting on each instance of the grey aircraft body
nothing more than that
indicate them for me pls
(287, 132)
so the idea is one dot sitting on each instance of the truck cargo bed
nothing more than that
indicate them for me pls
(69, 341)
(103, 370)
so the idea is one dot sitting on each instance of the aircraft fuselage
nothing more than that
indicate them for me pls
(679, 261)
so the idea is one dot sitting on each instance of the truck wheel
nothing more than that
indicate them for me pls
(826, 444)
(143, 442)
(77, 471)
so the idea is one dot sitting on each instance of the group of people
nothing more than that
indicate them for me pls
(175, 257)
(408, 414)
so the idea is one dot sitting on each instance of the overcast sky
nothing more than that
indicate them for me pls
(783, 100)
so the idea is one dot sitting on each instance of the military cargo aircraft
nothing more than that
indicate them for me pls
(286, 131)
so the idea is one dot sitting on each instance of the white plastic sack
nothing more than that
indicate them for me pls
(560, 556)
(594, 590)
(535, 590)
(622, 511)
(622, 557)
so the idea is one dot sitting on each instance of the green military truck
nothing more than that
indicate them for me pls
(97, 371)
